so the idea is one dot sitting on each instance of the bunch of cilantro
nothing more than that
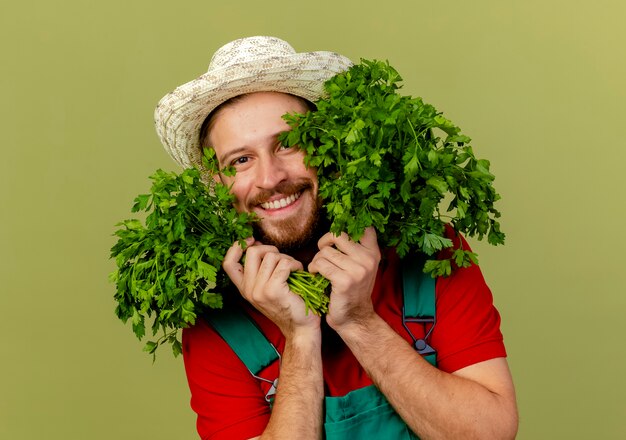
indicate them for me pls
(169, 270)
(382, 159)
(392, 162)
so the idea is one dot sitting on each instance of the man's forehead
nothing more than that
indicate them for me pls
(244, 105)
(251, 122)
(267, 98)
(258, 110)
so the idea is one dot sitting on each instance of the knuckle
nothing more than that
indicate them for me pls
(256, 296)
(252, 252)
(271, 259)
(284, 263)
(360, 272)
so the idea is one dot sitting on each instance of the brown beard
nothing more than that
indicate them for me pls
(293, 236)
(295, 233)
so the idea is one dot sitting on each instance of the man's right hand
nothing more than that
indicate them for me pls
(262, 280)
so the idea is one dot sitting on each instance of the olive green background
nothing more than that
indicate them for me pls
(538, 85)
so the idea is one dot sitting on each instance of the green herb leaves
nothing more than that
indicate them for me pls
(382, 159)
(388, 161)
(169, 269)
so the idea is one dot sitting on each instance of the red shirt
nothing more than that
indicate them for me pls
(230, 402)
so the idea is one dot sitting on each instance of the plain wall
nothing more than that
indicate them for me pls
(538, 85)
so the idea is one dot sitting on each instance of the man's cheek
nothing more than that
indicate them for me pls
(240, 206)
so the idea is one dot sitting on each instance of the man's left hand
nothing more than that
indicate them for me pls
(351, 268)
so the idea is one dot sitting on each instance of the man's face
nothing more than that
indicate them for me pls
(271, 179)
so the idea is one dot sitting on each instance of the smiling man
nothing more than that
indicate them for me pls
(271, 180)
(372, 367)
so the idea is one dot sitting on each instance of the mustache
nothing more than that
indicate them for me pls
(286, 188)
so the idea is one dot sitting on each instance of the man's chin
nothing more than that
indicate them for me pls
(286, 243)
(289, 238)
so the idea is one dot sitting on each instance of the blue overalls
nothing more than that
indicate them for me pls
(364, 412)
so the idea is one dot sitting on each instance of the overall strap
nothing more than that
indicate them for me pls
(244, 338)
(418, 291)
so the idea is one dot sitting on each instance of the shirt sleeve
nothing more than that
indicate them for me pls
(468, 325)
(228, 400)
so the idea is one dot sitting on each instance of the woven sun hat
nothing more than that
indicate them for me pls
(254, 64)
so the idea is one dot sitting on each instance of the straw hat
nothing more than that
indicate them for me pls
(247, 65)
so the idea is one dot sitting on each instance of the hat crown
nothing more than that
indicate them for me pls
(248, 49)
(246, 65)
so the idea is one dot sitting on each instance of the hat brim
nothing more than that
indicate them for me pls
(180, 114)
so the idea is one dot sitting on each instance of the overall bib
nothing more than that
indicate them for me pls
(362, 413)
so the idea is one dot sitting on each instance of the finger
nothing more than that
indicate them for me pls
(332, 256)
(255, 254)
(345, 244)
(270, 264)
(369, 239)
(232, 262)
(330, 239)
(254, 257)
(284, 268)
(346, 255)
(321, 265)
(270, 283)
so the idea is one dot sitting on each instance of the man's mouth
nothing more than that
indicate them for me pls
(281, 203)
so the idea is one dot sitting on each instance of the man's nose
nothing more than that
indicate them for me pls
(271, 172)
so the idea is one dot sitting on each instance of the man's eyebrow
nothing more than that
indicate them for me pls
(273, 137)
(230, 153)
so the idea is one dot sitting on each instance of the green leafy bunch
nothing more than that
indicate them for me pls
(391, 161)
(169, 268)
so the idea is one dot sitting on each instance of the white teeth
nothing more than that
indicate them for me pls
(276, 204)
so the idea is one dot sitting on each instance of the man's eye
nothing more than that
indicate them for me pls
(239, 160)
(284, 147)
